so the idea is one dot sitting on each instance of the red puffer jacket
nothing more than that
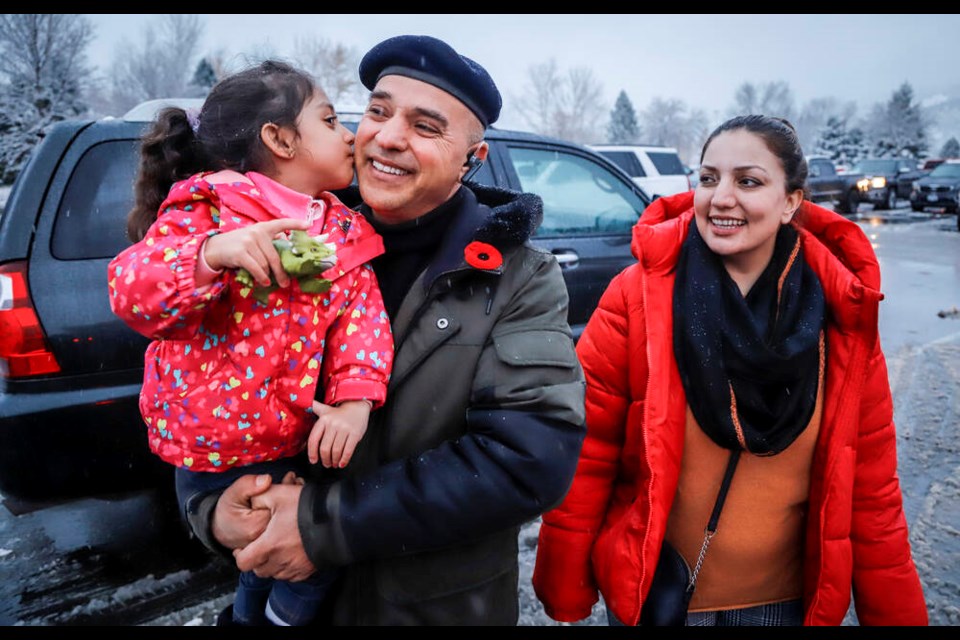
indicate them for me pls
(607, 533)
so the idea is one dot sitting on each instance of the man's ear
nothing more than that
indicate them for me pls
(475, 158)
(279, 140)
(480, 153)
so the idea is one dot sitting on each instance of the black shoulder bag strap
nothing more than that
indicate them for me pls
(714, 517)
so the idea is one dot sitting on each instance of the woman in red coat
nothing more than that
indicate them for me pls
(746, 331)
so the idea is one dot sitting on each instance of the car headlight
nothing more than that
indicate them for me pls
(915, 186)
(878, 183)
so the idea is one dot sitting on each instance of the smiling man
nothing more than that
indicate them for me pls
(484, 417)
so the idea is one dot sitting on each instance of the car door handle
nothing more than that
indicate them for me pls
(566, 258)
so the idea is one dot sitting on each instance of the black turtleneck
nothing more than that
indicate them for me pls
(408, 249)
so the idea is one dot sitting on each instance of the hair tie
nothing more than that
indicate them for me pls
(193, 118)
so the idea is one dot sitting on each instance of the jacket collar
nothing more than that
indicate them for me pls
(835, 247)
(500, 217)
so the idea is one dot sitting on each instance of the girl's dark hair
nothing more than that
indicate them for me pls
(780, 137)
(227, 135)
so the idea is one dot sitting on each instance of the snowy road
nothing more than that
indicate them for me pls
(121, 562)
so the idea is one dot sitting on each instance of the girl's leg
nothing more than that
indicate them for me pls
(295, 604)
(250, 601)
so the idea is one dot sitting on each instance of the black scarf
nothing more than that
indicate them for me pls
(751, 365)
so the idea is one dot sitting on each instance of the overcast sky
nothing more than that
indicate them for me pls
(700, 59)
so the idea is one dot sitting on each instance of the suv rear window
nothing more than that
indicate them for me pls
(667, 163)
(92, 219)
(626, 160)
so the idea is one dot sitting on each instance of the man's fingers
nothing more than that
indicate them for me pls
(290, 477)
(245, 487)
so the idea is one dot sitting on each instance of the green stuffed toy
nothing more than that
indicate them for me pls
(304, 257)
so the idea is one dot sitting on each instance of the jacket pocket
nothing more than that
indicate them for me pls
(536, 348)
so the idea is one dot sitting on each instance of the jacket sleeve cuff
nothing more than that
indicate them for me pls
(323, 540)
(356, 389)
(198, 511)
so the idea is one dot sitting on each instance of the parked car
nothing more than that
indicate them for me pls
(886, 180)
(940, 188)
(826, 184)
(932, 163)
(657, 169)
(71, 371)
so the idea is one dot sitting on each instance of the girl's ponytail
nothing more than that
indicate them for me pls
(169, 152)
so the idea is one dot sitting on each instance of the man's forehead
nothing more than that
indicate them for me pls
(415, 95)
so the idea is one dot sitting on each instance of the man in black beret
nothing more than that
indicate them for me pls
(484, 417)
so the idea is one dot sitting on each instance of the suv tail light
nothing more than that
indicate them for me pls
(23, 346)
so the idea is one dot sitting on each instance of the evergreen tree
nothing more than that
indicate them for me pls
(898, 128)
(204, 77)
(831, 137)
(950, 149)
(842, 145)
(623, 127)
(854, 148)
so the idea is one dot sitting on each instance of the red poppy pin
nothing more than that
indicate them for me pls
(481, 255)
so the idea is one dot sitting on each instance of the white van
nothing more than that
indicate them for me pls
(657, 169)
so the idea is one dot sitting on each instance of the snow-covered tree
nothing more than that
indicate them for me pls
(845, 146)
(44, 71)
(623, 127)
(566, 106)
(334, 65)
(950, 149)
(770, 99)
(898, 128)
(814, 116)
(159, 65)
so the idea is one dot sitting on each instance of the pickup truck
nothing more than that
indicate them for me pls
(71, 371)
(825, 184)
(884, 181)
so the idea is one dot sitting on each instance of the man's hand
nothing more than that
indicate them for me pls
(278, 552)
(236, 523)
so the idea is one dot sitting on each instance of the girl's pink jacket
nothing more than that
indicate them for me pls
(230, 381)
(606, 535)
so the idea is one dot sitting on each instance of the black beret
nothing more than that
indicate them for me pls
(435, 62)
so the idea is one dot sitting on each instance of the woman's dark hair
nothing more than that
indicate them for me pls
(780, 137)
(225, 134)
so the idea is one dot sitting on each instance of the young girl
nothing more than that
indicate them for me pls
(233, 369)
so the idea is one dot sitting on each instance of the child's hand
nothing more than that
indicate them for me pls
(337, 431)
(251, 248)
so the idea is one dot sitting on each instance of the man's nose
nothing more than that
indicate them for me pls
(392, 134)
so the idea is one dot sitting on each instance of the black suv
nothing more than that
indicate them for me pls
(71, 371)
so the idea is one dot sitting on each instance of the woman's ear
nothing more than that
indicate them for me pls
(279, 140)
(794, 200)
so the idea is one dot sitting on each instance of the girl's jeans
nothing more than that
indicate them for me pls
(295, 603)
